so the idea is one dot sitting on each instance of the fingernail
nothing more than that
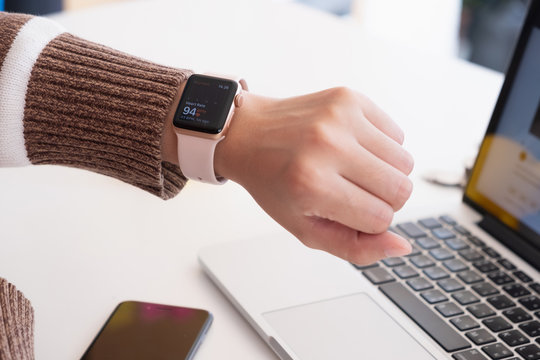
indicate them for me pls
(398, 251)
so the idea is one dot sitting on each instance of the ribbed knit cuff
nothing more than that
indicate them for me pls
(16, 324)
(92, 107)
(10, 24)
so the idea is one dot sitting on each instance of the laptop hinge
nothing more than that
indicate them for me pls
(512, 240)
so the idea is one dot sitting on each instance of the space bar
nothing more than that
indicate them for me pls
(437, 328)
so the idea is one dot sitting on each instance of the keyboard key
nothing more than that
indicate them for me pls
(517, 315)
(535, 287)
(433, 296)
(470, 277)
(378, 275)
(516, 290)
(491, 252)
(529, 352)
(471, 255)
(522, 276)
(430, 223)
(500, 302)
(455, 265)
(448, 309)
(537, 313)
(484, 289)
(436, 273)
(405, 272)
(461, 230)
(480, 337)
(395, 261)
(443, 233)
(531, 328)
(422, 261)
(415, 251)
(427, 243)
(476, 241)
(464, 322)
(363, 267)
(497, 351)
(419, 284)
(456, 244)
(411, 230)
(433, 324)
(441, 254)
(485, 266)
(530, 302)
(465, 297)
(497, 324)
(513, 338)
(480, 310)
(448, 219)
(506, 264)
(500, 278)
(450, 285)
(469, 355)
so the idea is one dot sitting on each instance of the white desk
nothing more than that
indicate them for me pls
(77, 243)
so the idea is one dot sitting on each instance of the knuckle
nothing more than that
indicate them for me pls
(320, 136)
(343, 93)
(331, 111)
(337, 106)
(340, 97)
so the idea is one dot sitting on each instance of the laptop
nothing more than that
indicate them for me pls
(470, 290)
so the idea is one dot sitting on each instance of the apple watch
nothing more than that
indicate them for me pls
(201, 121)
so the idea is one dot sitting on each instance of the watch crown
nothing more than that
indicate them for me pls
(239, 99)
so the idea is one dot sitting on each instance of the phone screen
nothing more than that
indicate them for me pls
(138, 330)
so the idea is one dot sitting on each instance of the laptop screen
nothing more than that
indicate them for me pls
(505, 181)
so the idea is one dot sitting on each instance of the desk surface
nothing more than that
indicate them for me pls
(77, 243)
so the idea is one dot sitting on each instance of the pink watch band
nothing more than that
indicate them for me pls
(196, 154)
(196, 158)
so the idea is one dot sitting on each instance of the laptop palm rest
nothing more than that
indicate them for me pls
(348, 327)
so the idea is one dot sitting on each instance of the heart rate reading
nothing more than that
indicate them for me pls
(194, 109)
(205, 104)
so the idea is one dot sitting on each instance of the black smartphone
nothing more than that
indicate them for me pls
(138, 330)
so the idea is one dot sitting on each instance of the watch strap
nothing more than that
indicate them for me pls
(196, 158)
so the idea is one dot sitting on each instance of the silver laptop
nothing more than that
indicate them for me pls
(469, 291)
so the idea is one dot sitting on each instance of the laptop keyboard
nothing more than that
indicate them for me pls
(472, 301)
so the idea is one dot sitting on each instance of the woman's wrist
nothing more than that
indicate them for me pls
(232, 153)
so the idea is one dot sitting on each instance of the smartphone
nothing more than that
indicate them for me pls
(138, 330)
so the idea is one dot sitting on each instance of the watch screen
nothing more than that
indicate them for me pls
(205, 104)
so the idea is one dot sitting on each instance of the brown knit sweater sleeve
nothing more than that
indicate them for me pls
(95, 108)
(16, 324)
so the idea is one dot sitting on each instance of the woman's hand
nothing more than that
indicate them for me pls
(329, 167)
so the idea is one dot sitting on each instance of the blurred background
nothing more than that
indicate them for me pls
(480, 31)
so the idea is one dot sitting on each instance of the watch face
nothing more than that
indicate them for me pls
(205, 104)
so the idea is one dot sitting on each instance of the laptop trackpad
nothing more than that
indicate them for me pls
(349, 327)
